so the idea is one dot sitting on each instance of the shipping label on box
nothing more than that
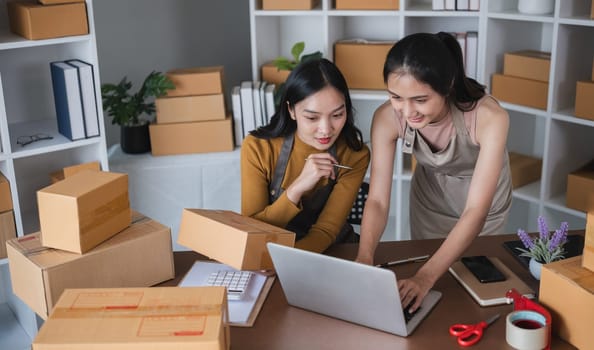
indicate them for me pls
(230, 238)
(139, 256)
(527, 64)
(196, 81)
(73, 169)
(349, 56)
(83, 210)
(158, 318)
(584, 100)
(580, 189)
(520, 91)
(271, 74)
(36, 21)
(567, 291)
(5, 196)
(289, 4)
(193, 137)
(190, 108)
(524, 169)
(7, 230)
(367, 5)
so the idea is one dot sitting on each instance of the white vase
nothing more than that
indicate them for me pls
(535, 268)
(536, 7)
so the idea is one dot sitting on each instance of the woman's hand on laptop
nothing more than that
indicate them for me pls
(413, 290)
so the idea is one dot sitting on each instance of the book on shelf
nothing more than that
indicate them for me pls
(256, 101)
(438, 5)
(474, 5)
(450, 5)
(262, 95)
(67, 99)
(462, 5)
(471, 54)
(88, 98)
(237, 116)
(247, 107)
(270, 106)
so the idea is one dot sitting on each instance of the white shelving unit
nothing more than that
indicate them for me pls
(27, 108)
(563, 141)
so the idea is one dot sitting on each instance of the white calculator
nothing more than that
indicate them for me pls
(236, 282)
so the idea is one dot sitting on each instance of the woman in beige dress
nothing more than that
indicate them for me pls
(461, 186)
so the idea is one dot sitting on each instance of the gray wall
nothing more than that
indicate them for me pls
(135, 37)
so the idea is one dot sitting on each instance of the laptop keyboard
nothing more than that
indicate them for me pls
(235, 281)
(409, 315)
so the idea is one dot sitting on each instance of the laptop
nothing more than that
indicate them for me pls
(347, 290)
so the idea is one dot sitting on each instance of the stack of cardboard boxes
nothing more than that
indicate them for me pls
(7, 227)
(584, 98)
(192, 117)
(47, 19)
(567, 291)
(525, 78)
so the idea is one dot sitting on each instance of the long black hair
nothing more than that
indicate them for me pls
(305, 80)
(436, 60)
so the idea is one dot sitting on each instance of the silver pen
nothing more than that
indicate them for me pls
(404, 261)
(339, 165)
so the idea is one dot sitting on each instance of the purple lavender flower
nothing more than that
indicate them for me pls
(525, 238)
(543, 229)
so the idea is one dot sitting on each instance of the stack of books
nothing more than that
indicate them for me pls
(253, 106)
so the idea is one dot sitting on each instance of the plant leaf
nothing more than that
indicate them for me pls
(297, 50)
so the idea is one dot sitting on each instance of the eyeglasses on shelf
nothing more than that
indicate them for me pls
(27, 139)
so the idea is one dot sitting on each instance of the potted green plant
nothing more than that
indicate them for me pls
(133, 112)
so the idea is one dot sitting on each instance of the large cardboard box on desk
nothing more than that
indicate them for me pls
(5, 196)
(191, 137)
(83, 210)
(588, 256)
(139, 256)
(528, 64)
(230, 238)
(524, 169)
(349, 56)
(73, 169)
(567, 291)
(35, 21)
(196, 81)
(520, 91)
(580, 189)
(584, 100)
(162, 318)
(190, 108)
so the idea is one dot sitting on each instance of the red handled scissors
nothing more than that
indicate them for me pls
(469, 334)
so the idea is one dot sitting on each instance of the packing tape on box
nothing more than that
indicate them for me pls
(526, 330)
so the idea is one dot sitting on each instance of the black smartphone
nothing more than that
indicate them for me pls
(483, 269)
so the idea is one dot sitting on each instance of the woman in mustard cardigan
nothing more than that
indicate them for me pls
(290, 176)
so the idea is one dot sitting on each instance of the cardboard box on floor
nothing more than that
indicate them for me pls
(524, 169)
(36, 21)
(349, 55)
(230, 238)
(580, 189)
(191, 137)
(527, 64)
(5, 194)
(83, 210)
(196, 81)
(289, 4)
(161, 318)
(7, 230)
(139, 256)
(190, 108)
(584, 100)
(567, 291)
(520, 91)
(73, 169)
(367, 5)
(273, 75)
(588, 256)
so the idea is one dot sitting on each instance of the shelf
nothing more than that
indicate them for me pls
(529, 192)
(10, 41)
(12, 335)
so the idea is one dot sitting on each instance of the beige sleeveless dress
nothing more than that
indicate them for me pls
(441, 181)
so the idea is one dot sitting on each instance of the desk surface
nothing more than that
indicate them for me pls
(280, 326)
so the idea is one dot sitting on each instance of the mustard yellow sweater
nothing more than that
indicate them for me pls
(258, 160)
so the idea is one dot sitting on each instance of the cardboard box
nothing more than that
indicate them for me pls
(567, 291)
(73, 169)
(190, 108)
(520, 91)
(139, 256)
(5, 196)
(524, 169)
(55, 2)
(588, 256)
(349, 55)
(36, 21)
(193, 137)
(367, 5)
(592, 14)
(162, 318)
(273, 75)
(580, 189)
(289, 4)
(584, 100)
(83, 210)
(528, 64)
(592, 67)
(196, 81)
(7, 230)
(230, 238)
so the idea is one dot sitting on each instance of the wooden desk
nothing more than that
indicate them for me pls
(280, 326)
